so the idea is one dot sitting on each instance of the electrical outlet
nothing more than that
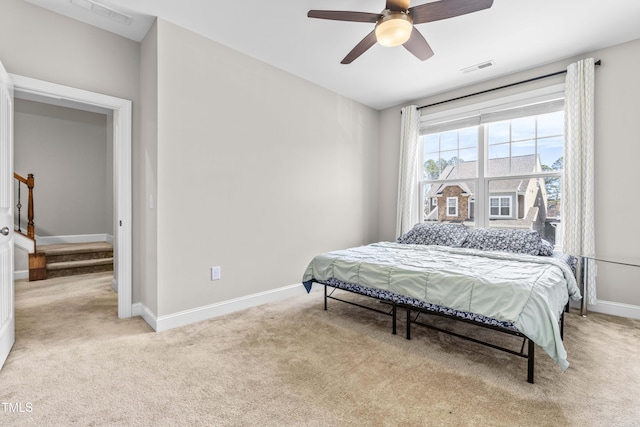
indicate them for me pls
(215, 273)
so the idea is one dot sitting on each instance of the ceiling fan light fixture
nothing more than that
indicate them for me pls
(394, 28)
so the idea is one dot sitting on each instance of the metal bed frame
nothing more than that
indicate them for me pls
(529, 354)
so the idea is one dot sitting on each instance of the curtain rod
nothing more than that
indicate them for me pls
(557, 73)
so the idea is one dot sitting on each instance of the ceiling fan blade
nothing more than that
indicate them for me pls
(444, 9)
(418, 46)
(340, 15)
(402, 5)
(360, 48)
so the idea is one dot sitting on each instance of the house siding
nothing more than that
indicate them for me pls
(463, 204)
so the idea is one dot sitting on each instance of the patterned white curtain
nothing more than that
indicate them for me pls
(578, 185)
(408, 200)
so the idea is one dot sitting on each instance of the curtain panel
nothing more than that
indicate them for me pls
(408, 208)
(578, 184)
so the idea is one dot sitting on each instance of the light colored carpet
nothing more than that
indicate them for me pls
(292, 364)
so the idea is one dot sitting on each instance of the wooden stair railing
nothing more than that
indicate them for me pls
(30, 183)
(37, 261)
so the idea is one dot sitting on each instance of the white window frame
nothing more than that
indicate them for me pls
(470, 115)
(455, 206)
(500, 206)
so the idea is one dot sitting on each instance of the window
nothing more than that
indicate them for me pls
(452, 206)
(499, 206)
(503, 160)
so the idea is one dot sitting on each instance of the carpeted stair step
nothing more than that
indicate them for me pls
(83, 266)
(77, 258)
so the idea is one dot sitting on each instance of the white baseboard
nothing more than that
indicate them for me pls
(22, 274)
(610, 307)
(139, 309)
(182, 318)
(616, 309)
(79, 238)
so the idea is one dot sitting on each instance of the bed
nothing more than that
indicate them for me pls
(507, 280)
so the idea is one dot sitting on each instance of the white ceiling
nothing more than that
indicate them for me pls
(514, 34)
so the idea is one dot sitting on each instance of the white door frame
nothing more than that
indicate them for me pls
(65, 95)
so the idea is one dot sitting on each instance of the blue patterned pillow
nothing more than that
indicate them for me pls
(515, 241)
(435, 234)
(546, 248)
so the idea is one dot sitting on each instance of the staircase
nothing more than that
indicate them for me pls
(76, 258)
(48, 261)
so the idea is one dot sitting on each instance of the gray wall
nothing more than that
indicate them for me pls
(67, 151)
(146, 173)
(617, 153)
(257, 172)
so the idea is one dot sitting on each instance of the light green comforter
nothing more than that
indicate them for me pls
(528, 291)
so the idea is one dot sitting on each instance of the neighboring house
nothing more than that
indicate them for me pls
(519, 203)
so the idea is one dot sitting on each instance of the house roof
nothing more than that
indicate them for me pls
(503, 166)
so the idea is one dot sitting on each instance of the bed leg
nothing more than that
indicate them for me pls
(562, 326)
(531, 359)
(408, 323)
(325, 297)
(393, 316)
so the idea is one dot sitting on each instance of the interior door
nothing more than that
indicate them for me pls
(7, 316)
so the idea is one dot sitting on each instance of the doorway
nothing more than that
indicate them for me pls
(51, 93)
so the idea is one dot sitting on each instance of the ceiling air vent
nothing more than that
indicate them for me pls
(103, 10)
(477, 67)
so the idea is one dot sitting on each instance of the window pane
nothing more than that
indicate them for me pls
(467, 163)
(499, 160)
(449, 140)
(431, 143)
(498, 132)
(550, 151)
(469, 137)
(469, 155)
(524, 128)
(551, 124)
(450, 157)
(452, 205)
(449, 161)
(443, 156)
(523, 148)
(497, 151)
(432, 166)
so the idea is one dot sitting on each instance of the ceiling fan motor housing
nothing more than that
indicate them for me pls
(393, 28)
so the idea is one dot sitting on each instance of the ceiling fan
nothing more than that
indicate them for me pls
(395, 24)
